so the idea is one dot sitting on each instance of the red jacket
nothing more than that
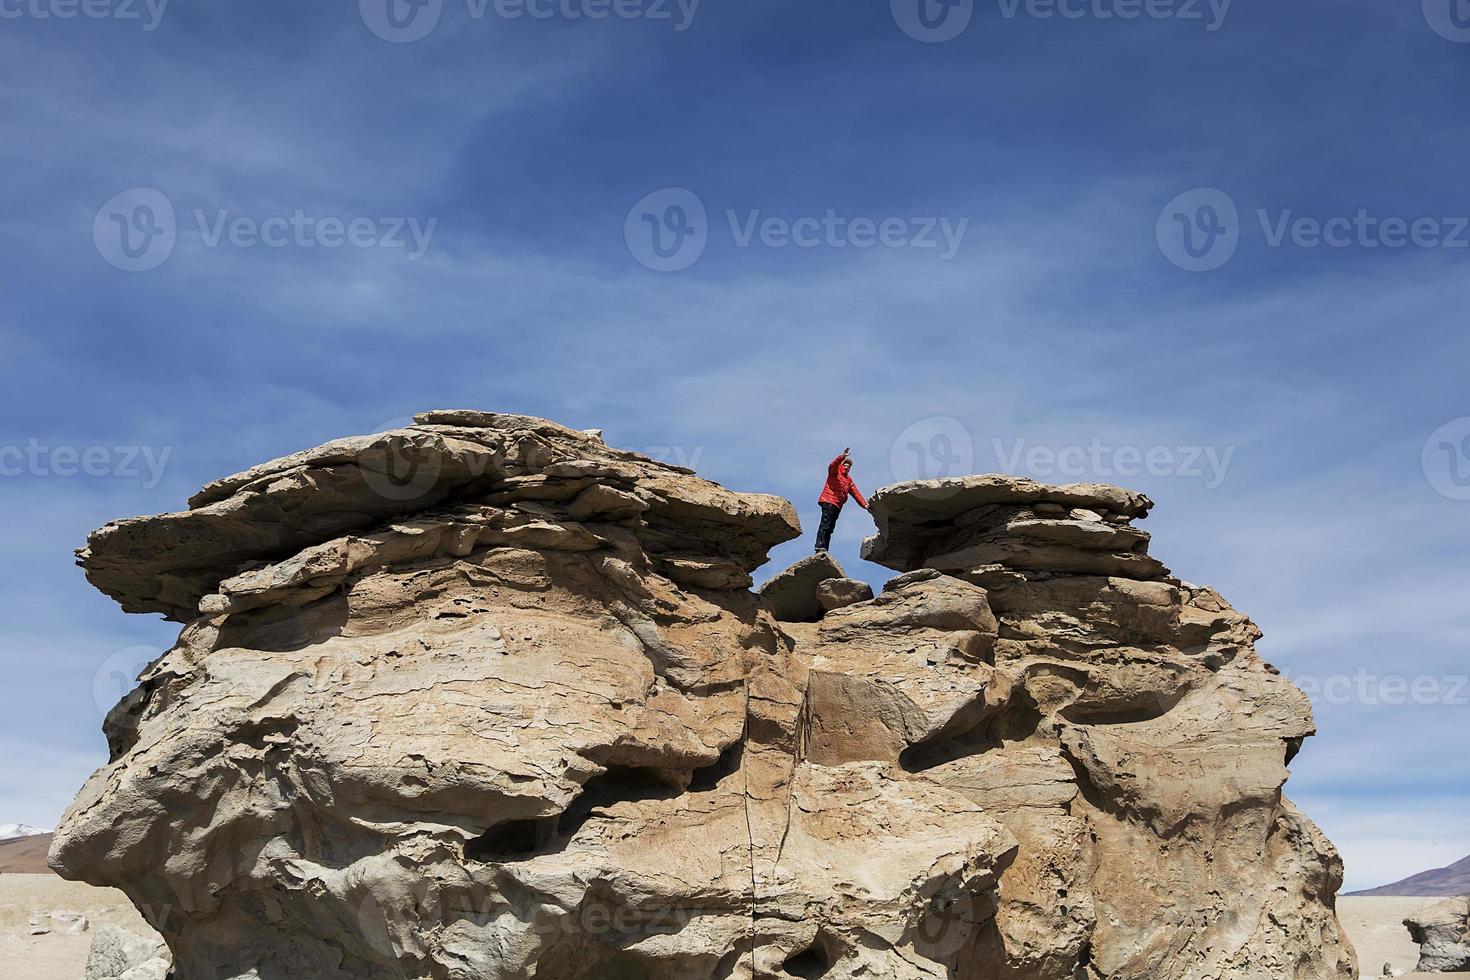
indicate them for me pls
(839, 485)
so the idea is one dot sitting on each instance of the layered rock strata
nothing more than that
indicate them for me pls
(485, 698)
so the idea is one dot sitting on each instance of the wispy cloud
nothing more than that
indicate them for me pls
(1058, 322)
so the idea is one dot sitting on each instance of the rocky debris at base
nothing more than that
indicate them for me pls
(58, 921)
(1443, 934)
(522, 716)
(118, 954)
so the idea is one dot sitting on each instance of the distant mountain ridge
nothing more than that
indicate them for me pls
(10, 831)
(25, 855)
(1447, 882)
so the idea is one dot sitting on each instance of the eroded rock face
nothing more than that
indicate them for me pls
(1443, 934)
(1131, 740)
(485, 698)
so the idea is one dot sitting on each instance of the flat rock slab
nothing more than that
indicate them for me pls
(793, 593)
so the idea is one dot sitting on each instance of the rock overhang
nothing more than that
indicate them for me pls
(169, 563)
(964, 523)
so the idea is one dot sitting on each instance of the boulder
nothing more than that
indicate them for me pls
(1443, 934)
(792, 594)
(485, 697)
(836, 593)
(117, 953)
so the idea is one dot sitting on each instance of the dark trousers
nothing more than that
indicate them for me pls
(828, 525)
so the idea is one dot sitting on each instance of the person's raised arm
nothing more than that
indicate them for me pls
(836, 464)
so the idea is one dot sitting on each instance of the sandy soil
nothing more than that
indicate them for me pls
(1376, 927)
(54, 956)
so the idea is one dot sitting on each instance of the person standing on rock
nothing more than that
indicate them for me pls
(834, 495)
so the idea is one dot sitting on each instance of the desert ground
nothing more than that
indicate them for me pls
(1375, 925)
(55, 955)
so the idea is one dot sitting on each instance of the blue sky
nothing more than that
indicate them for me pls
(1304, 405)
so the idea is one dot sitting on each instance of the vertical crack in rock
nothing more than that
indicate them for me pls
(750, 841)
(484, 697)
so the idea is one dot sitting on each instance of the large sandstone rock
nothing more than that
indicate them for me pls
(515, 713)
(1443, 934)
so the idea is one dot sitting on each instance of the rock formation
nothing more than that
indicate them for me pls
(1443, 934)
(485, 698)
(792, 595)
(118, 954)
